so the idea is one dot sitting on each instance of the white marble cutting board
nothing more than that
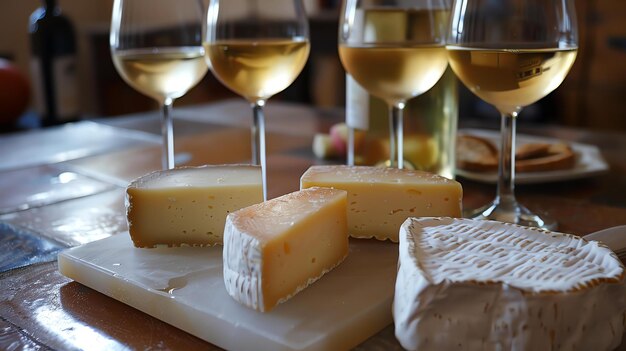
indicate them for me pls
(184, 287)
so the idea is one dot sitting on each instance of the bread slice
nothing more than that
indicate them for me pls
(559, 156)
(476, 154)
(531, 150)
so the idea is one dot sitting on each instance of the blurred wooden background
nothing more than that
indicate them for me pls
(592, 96)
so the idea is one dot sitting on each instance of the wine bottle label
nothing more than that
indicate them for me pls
(357, 105)
(37, 86)
(66, 87)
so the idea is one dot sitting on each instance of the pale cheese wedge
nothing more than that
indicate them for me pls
(380, 199)
(275, 249)
(188, 206)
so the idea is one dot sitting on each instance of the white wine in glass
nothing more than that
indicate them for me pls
(168, 73)
(258, 70)
(159, 54)
(520, 77)
(257, 49)
(512, 53)
(396, 51)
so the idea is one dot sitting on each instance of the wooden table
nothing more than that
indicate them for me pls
(40, 309)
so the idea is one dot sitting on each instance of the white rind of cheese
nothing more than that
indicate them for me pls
(275, 249)
(483, 285)
(189, 205)
(381, 199)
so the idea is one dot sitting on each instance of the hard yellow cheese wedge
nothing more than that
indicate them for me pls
(275, 249)
(188, 206)
(381, 199)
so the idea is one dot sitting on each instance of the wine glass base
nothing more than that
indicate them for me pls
(518, 214)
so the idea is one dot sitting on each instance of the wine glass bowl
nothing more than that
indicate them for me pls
(394, 82)
(156, 46)
(511, 78)
(257, 70)
(511, 53)
(257, 49)
(396, 51)
(161, 73)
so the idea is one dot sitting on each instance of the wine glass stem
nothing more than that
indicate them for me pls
(396, 135)
(258, 142)
(506, 168)
(350, 151)
(167, 132)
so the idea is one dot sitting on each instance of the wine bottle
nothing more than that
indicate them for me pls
(53, 65)
(430, 119)
(429, 129)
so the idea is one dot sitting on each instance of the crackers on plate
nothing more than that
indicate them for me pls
(479, 154)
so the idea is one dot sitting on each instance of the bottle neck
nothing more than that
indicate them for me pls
(50, 6)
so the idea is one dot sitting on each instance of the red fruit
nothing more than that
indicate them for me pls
(14, 93)
(339, 138)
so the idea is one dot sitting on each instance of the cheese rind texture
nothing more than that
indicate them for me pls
(482, 285)
(189, 205)
(380, 199)
(275, 249)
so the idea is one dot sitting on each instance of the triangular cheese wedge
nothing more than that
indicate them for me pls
(274, 249)
(380, 199)
(189, 205)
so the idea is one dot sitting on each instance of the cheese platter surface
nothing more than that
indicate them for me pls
(184, 286)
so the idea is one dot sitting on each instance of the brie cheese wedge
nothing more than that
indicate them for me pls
(483, 285)
(274, 249)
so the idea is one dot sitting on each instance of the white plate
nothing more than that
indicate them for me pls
(589, 161)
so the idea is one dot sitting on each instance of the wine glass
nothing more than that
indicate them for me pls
(257, 48)
(394, 49)
(156, 47)
(511, 53)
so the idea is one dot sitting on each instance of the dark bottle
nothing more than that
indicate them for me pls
(53, 65)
